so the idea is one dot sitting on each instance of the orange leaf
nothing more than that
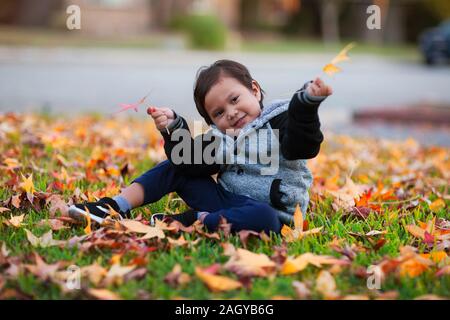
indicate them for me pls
(331, 69)
(437, 205)
(342, 56)
(298, 218)
(217, 283)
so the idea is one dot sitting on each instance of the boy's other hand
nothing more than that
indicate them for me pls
(162, 116)
(319, 89)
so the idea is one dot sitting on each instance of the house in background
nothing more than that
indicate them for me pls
(402, 20)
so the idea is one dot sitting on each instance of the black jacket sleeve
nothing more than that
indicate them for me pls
(195, 164)
(299, 127)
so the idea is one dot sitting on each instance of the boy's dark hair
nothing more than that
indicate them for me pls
(207, 77)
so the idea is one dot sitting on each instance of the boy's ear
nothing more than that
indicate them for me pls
(256, 90)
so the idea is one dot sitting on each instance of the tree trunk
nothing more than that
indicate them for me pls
(330, 21)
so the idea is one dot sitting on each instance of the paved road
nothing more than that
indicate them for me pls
(80, 80)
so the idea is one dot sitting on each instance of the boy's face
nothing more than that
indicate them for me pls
(231, 105)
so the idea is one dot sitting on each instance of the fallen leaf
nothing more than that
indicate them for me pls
(45, 241)
(116, 273)
(297, 233)
(139, 227)
(301, 290)
(176, 277)
(3, 209)
(27, 184)
(326, 285)
(247, 263)
(16, 221)
(437, 205)
(94, 273)
(298, 264)
(217, 283)
(41, 269)
(103, 294)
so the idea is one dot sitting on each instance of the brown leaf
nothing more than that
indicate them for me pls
(41, 269)
(176, 277)
(55, 224)
(301, 290)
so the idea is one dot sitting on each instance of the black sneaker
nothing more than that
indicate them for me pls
(98, 211)
(186, 218)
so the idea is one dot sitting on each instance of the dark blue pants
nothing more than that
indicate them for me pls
(204, 194)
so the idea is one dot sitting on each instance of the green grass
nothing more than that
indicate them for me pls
(207, 252)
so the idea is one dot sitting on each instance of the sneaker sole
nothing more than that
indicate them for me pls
(81, 215)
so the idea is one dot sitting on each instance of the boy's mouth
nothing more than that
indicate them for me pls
(240, 123)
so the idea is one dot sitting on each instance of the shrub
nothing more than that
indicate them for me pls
(204, 31)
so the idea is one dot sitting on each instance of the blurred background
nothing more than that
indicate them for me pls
(396, 85)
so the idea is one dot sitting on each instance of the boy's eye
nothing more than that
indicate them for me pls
(234, 100)
(218, 113)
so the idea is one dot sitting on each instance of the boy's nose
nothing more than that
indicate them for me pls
(232, 114)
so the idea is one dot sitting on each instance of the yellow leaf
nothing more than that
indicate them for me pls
(342, 56)
(301, 262)
(436, 256)
(437, 205)
(291, 266)
(115, 259)
(27, 183)
(217, 283)
(331, 69)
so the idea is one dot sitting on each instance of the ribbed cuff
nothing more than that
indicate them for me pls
(175, 124)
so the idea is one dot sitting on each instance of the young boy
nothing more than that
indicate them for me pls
(251, 193)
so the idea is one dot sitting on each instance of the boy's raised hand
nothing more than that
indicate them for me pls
(319, 89)
(162, 116)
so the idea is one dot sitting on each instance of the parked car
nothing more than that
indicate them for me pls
(435, 44)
